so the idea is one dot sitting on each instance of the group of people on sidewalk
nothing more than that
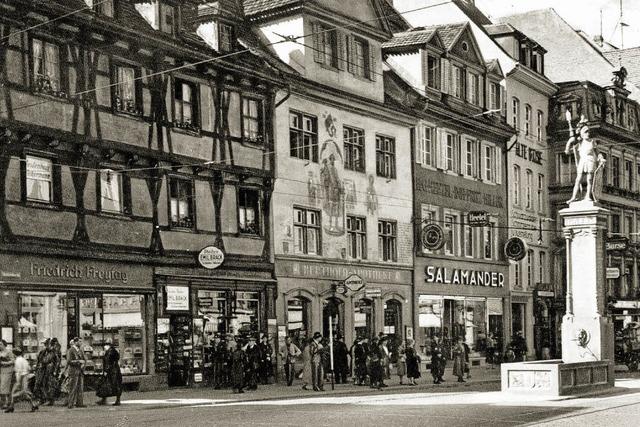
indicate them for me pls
(47, 381)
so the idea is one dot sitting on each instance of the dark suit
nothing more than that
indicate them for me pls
(75, 362)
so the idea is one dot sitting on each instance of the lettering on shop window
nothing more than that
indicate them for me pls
(67, 271)
(459, 276)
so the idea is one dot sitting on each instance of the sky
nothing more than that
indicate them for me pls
(580, 14)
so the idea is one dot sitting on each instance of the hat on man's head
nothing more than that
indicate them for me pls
(317, 335)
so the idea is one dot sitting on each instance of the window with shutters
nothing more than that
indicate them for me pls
(490, 172)
(516, 185)
(628, 174)
(303, 136)
(433, 72)
(426, 144)
(385, 156)
(458, 82)
(451, 150)
(474, 89)
(326, 41)
(360, 57)
(495, 103)
(354, 154)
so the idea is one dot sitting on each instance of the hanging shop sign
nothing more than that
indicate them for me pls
(432, 237)
(613, 272)
(459, 276)
(211, 257)
(354, 283)
(478, 218)
(373, 293)
(177, 298)
(618, 244)
(515, 249)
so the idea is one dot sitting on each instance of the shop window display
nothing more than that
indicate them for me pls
(363, 318)
(246, 316)
(42, 315)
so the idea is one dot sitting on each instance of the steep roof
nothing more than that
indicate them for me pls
(629, 59)
(397, 23)
(448, 32)
(253, 7)
(574, 58)
(410, 38)
(475, 14)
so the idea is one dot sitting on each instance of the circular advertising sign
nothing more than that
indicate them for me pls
(432, 237)
(515, 249)
(211, 257)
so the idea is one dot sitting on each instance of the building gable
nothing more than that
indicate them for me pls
(465, 47)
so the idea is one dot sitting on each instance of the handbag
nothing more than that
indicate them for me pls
(103, 388)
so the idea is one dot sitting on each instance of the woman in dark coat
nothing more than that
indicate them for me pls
(46, 382)
(413, 362)
(112, 375)
(238, 365)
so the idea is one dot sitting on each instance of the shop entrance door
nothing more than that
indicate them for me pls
(333, 311)
(180, 349)
(453, 325)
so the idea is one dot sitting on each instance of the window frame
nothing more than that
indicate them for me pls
(162, 24)
(385, 159)
(527, 119)
(125, 192)
(302, 132)
(357, 236)
(257, 213)
(328, 42)
(434, 76)
(387, 239)
(135, 109)
(542, 261)
(194, 104)
(305, 226)
(350, 148)
(529, 190)
(451, 218)
(517, 182)
(515, 111)
(539, 128)
(55, 189)
(468, 235)
(191, 202)
(489, 235)
(259, 120)
(226, 37)
(530, 262)
(43, 86)
(361, 70)
(541, 186)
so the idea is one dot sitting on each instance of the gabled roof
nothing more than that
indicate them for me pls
(494, 67)
(449, 33)
(411, 38)
(627, 58)
(254, 7)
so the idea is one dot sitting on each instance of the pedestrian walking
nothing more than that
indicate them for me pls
(238, 367)
(307, 366)
(7, 362)
(289, 354)
(316, 351)
(413, 362)
(491, 348)
(386, 359)
(218, 358)
(266, 355)
(22, 372)
(467, 362)
(75, 364)
(252, 352)
(376, 372)
(458, 360)
(112, 381)
(401, 364)
(438, 362)
(340, 360)
(46, 384)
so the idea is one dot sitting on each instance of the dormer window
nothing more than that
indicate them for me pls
(225, 37)
(433, 72)
(360, 57)
(102, 7)
(167, 18)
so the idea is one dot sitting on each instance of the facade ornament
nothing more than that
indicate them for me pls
(619, 77)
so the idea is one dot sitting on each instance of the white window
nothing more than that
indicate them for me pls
(474, 89)
(470, 158)
(433, 72)
(458, 82)
(111, 191)
(530, 269)
(515, 113)
(494, 96)
(468, 241)
(527, 120)
(306, 228)
(426, 146)
(356, 237)
(490, 163)
(539, 125)
(541, 193)
(449, 152)
(516, 185)
(529, 190)
(39, 183)
(451, 231)
(489, 240)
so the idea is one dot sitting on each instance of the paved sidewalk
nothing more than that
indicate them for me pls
(205, 395)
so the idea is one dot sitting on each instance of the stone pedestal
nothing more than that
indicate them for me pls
(587, 332)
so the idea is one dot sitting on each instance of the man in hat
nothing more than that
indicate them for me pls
(386, 359)
(266, 355)
(75, 362)
(218, 358)
(376, 372)
(340, 360)
(253, 362)
(316, 362)
(359, 361)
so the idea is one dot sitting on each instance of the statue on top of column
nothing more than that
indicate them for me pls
(589, 162)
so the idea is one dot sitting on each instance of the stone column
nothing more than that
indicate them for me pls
(587, 332)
